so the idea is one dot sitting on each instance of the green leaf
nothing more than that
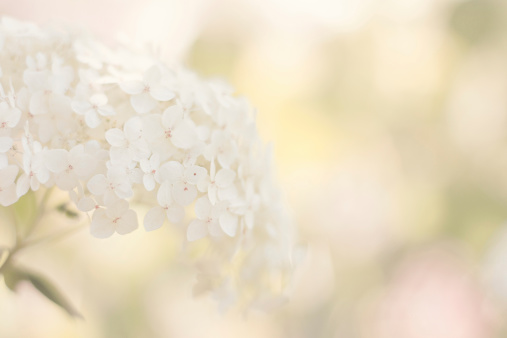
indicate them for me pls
(14, 275)
(4, 254)
(65, 210)
(52, 293)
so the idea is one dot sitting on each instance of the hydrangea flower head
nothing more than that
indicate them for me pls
(118, 129)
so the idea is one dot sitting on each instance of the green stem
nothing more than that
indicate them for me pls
(25, 242)
(52, 237)
(41, 211)
(8, 259)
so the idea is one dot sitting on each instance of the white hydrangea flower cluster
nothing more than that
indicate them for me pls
(116, 128)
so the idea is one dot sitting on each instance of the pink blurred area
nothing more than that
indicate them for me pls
(434, 294)
(103, 17)
(143, 22)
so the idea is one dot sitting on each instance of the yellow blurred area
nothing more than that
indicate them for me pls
(388, 120)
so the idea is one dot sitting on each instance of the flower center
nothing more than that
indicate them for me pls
(116, 220)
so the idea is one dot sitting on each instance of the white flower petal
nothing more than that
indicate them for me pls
(47, 129)
(59, 104)
(8, 196)
(224, 178)
(214, 229)
(98, 99)
(39, 103)
(203, 133)
(132, 87)
(149, 182)
(5, 143)
(97, 184)
(155, 161)
(73, 196)
(172, 115)
(184, 135)
(212, 193)
(171, 171)
(228, 193)
(135, 175)
(161, 93)
(143, 103)
(124, 188)
(229, 223)
(86, 204)
(4, 161)
(34, 184)
(195, 174)
(80, 107)
(117, 209)
(92, 119)
(66, 181)
(22, 185)
(133, 128)
(202, 208)
(120, 156)
(145, 165)
(226, 158)
(8, 175)
(116, 138)
(164, 197)
(212, 169)
(15, 116)
(106, 110)
(152, 127)
(127, 223)
(101, 226)
(249, 220)
(203, 185)
(152, 75)
(184, 194)
(109, 198)
(140, 149)
(197, 229)
(84, 165)
(154, 218)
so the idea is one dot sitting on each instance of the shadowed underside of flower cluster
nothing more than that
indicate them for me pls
(117, 129)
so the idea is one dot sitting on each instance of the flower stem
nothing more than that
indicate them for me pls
(23, 242)
(52, 237)
(41, 210)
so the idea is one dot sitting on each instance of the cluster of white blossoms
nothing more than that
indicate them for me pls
(119, 129)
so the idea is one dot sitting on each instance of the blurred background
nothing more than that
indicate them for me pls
(389, 125)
